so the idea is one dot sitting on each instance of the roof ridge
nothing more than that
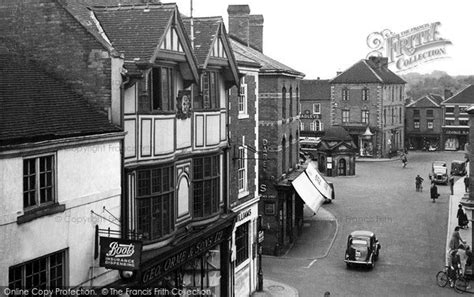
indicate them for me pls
(459, 92)
(373, 71)
(131, 6)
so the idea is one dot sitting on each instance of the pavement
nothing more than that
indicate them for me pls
(322, 225)
(454, 200)
(276, 289)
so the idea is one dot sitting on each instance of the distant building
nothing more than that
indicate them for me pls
(455, 127)
(336, 153)
(369, 95)
(315, 107)
(423, 122)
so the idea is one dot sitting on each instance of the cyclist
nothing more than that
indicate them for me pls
(454, 267)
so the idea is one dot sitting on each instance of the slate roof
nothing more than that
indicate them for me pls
(37, 107)
(366, 71)
(430, 100)
(268, 64)
(135, 30)
(465, 96)
(315, 89)
(205, 31)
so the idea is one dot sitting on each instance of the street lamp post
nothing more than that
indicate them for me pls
(468, 199)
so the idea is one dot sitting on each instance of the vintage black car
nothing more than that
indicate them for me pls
(362, 248)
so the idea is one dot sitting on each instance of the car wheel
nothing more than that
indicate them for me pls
(372, 265)
(348, 265)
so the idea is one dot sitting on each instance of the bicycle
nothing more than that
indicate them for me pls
(459, 283)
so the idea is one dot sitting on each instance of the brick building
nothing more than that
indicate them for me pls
(278, 118)
(455, 134)
(369, 95)
(315, 107)
(423, 121)
(243, 157)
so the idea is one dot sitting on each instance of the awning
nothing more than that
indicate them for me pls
(318, 180)
(308, 192)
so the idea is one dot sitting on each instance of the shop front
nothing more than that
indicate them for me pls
(194, 264)
(244, 251)
(455, 138)
(282, 213)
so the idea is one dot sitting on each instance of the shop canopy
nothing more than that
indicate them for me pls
(308, 192)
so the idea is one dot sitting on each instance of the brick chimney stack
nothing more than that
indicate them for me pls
(379, 62)
(447, 93)
(245, 27)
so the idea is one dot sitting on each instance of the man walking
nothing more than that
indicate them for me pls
(451, 184)
(419, 183)
(434, 192)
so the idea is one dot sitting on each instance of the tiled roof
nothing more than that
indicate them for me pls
(430, 100)
(311, 89)
(268, 64)
(205, 31)
(36, 107)
(365, 71)
(135, 30)
(465, 96)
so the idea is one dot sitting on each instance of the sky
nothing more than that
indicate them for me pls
(320, 38)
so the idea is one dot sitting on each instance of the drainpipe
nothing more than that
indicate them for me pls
(123, 181)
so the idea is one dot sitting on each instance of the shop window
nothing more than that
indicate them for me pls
(155, 202)
(269, 208)
(44, 272)
(316, 125)
(206, 177)
(161, 88)
(242, 243)
(38, 181)
(202, 273)
(365, 116)
(345, 115)
(416, 124)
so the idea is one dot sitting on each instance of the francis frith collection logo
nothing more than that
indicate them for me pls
(409, 48)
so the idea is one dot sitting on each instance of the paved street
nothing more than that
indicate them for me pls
(381, 198)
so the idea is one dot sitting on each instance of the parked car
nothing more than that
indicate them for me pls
(439, 172)
(458, 167)
(362, 248)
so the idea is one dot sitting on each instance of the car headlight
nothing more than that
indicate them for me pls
(347, 256)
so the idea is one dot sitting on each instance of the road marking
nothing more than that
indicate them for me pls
(312, 262)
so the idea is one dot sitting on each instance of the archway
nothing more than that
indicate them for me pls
(341, 167)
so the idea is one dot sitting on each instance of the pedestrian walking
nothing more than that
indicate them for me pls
(419, 183)
(466, 183)
(451, 184)
(462, 218)
(404, 159)
(434, 192)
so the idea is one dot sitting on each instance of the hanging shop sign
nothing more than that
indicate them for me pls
(121, 254)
